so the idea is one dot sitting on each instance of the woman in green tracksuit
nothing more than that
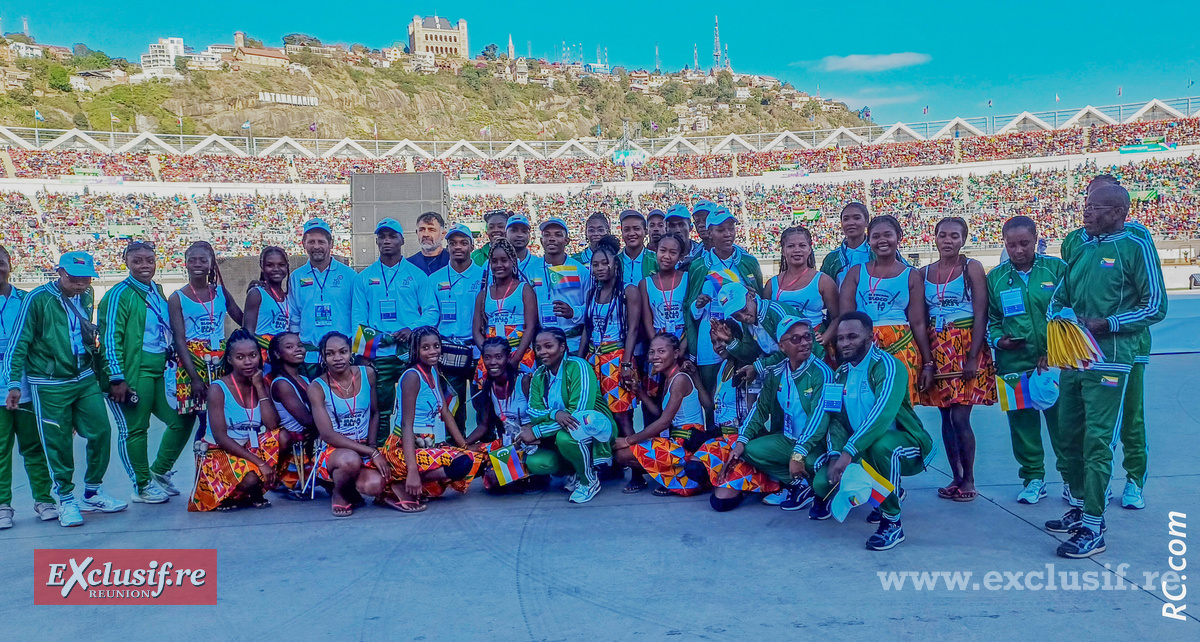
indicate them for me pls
(562, 388)
(1019, 291)
(54, 344)
(136, 336)
(784, 436)
(19, 425)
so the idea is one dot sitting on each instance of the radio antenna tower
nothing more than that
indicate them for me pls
(716, 43)
(657, 63)
(695, 57)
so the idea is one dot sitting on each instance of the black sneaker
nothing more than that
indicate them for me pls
(800, 496)
(888, 536)
(876, 516)
(820, 510)
(1070, 521)
(1083, 543)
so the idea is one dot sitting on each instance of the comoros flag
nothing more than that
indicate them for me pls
(366, 342)
(507, 464)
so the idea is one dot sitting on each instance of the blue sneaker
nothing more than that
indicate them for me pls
(102, 502)
(1132, 497)
(1033, 492)
(876, 516)
(1083, 543)
(800, 496)
(888, 536)
(775, 499)
(1070, 521)
(68, 514)
(820, 510)
(583, 494)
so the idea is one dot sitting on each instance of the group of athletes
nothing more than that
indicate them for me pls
(358, 382)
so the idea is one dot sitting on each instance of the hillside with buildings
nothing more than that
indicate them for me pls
(428, 88)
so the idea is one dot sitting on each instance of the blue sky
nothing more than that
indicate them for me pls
(950, 56)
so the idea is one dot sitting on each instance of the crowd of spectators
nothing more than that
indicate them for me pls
(1164, 192)
(281, 169)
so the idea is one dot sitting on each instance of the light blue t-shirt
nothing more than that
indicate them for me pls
(391, 299)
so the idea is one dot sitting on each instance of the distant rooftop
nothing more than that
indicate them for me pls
(434, 22)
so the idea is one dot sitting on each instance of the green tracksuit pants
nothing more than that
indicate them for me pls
(583, 456)
(20, 427)
(894, 455)
(1025, 427)
(771, 454)
(63, 410)
(1090, 404)
(133, 423)
(1133, 426)
(387, 373)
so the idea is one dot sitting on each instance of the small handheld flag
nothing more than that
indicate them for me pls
(366, 342)
(720, 277)
(565, 276)
(1013, 392)
(506, 463)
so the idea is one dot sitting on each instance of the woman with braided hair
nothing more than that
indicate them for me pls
(422, 462)
(506, 307)
(611, 318)
(197, 316)
(289, 390)
(267, 310)
(812, 294)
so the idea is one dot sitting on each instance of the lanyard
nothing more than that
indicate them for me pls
(387, 283)
(431, 382)
(351, 403)
(501, 300)
(779, 290)
(667, 295)
(732, 259)
(872, 282)
(608, 312)
(281, 302)
(940, 288)
(12, 294)
(320, 284)
(210, 306)
(249, 410)
(504, 403)
(450, 272)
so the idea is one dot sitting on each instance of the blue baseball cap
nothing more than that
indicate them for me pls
(703, 205)
(547, 223)
(732, 298)
(786, 324)
(679, 210)
(389, 224)
(77, 264)
(655, 212)
(719, 215)
(317, 224)
(632, 214)
(459, 228)
(517, 219)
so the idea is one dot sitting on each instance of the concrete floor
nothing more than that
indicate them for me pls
(639, 567)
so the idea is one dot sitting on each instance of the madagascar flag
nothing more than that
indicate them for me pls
(506, 462)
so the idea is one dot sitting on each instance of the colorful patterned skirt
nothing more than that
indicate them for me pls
(528, 361)
(950, 348)
(663, 459)
(430, 459)
(208, 363)
(220, 473)
(296, 463)
(897, 340)
(744, 477)
(607, 363)
(322, 462)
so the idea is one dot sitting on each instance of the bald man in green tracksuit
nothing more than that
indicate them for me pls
(54, 345)
(1133, 418)
(1019, 293)
(1113, 286)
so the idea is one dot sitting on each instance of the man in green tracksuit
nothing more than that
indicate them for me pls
(1133, 417)
(557, 394)
(135, 335)
(702, 290)
(53, 346)
(871, 422)
(1113, 286)
(1019, 292)
(784, 436)
(759, 321)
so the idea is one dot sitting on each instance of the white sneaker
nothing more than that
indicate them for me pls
(68, 514)
(164, 482)
(151, 494)
(1132, 497)
(775, 499)
(584, 494)
(101, 502)
(1033, 492)
(45, 512)
(6, 515)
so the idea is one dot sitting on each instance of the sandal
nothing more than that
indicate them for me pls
(635, 485)
(660, 491)
(966, 496)
(404, 505)
(949, 492)
(259, 502)
(342, 510)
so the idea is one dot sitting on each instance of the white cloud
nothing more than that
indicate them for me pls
(874, 62)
